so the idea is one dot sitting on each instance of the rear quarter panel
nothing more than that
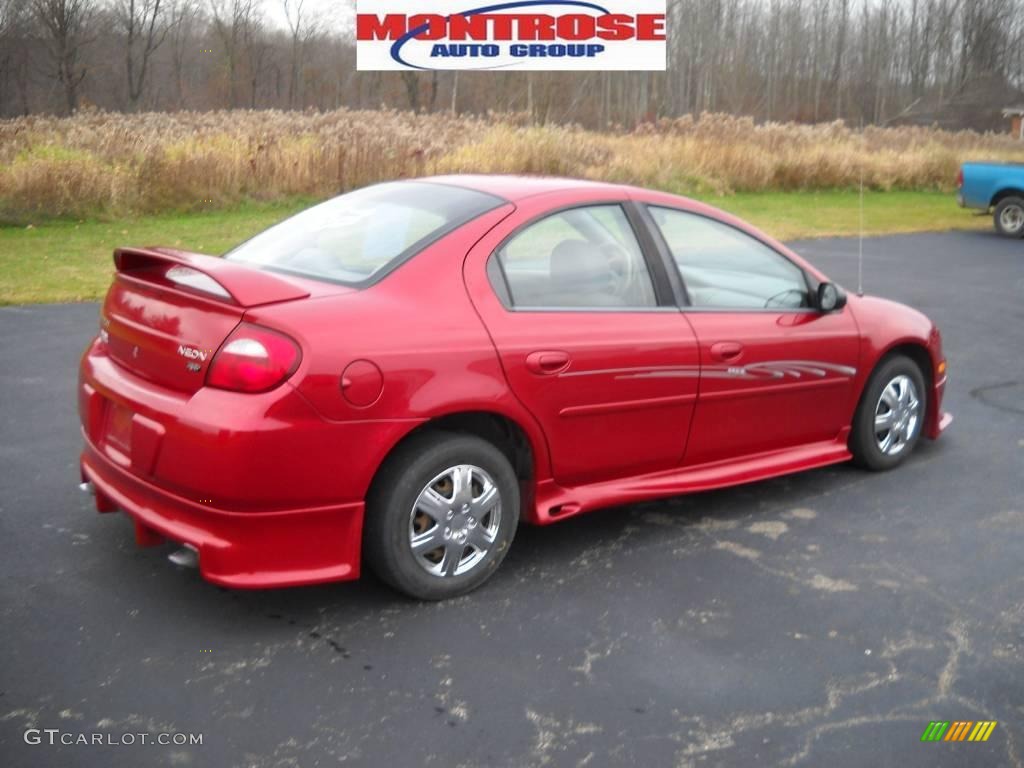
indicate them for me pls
(419, 328)
(984, 181)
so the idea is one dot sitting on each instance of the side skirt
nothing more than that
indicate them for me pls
(554, 502)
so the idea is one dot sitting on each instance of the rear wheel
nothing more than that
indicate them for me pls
(890, 416)
(441, 515)
(1009, 217)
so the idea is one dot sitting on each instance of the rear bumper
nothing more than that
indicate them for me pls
(251, 550)
(268, 492)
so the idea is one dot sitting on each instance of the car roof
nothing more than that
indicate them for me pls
(513, 188)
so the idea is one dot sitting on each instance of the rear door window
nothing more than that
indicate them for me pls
(581, 258)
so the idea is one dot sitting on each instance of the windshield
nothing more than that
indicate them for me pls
(361, 235)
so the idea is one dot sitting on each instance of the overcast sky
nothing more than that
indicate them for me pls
(336, 15)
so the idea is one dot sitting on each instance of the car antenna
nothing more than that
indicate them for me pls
(860, 230)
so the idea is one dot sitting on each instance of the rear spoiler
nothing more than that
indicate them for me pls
(208, 276)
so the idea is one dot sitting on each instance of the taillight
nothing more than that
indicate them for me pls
(253, 359)
(960, 179)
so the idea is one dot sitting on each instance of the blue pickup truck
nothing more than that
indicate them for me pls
(998, 186)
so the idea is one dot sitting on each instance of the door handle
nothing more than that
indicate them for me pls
(727, 350)
(547, 362)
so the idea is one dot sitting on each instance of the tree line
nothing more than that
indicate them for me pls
(863, 61)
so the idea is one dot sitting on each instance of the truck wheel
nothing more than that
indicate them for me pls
(1009, 217)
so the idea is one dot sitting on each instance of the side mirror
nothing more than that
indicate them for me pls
(830, 297)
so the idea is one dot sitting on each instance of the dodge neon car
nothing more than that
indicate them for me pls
(401, 375)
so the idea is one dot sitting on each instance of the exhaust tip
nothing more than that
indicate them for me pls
(88, 488)
(187, 557)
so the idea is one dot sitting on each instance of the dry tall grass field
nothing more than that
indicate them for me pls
(103, 164)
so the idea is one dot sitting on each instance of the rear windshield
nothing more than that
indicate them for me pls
(358, 237)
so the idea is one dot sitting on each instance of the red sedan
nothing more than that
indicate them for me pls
(403, 373)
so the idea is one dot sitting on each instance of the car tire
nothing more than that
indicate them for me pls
(418, 500)
(890, 417)
(1009, 217)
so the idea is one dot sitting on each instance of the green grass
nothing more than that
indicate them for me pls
(60, 261)
(796, 215)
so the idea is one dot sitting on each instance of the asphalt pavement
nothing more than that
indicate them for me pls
(820, 619)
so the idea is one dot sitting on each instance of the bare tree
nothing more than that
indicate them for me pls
(411, 81)
(257, 48)
(231, 22)
(11, 12)
(144, 25)
(303, 30)
(65, 25)
(956, 62)
(183, 18)
(12, 21)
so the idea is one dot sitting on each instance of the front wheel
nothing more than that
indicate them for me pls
(1009, 217)
(441, 515)
(889, 419)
